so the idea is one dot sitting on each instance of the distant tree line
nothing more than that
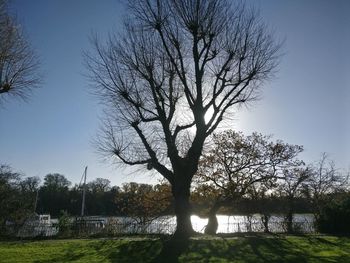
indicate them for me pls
(238, 174)
(22, 196)
(131, 199)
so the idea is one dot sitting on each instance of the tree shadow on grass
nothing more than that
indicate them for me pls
(70, 255)
(172, 249)
(136, 251)
(108, 251)
(275, 250)
(248, 249)
(295, 249)
(239, 249)
(254, 249)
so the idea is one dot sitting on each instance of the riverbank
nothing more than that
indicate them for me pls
(247, 248)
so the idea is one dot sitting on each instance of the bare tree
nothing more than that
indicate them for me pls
(236, 163)
(324, 180)
(176, 71)
(18, 62)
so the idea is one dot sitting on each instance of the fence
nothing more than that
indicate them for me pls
(274, 227)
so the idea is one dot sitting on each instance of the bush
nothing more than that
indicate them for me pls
(64, 224)
(334, 217)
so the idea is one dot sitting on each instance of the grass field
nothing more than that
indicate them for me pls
(200, 249)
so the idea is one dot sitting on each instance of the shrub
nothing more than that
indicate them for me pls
(64, 224)
(334, 217)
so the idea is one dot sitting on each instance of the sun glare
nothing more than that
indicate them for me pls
(208, 114)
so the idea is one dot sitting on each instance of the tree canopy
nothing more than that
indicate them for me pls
(236, 164)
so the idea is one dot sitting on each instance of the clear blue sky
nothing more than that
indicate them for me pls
(308, 102)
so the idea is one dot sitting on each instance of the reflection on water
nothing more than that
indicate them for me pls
(226, 224)
(239, 223)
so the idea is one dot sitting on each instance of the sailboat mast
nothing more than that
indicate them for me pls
(84, 191)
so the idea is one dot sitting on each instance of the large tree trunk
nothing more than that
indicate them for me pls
(181, 193)
(183, 217)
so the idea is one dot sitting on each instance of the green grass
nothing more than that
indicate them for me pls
(256, 248)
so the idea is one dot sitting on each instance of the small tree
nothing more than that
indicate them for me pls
(178, 69)
(324, 180)
(236, 162)
(262, 197)
(290, 187)
(18, 62)
(64, 223)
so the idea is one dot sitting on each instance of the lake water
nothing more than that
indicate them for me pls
(226, 224)
(239, 223)
(167, 225)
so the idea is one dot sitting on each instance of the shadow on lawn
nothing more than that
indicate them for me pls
(172, 250)
(109, 251)
(250, 248)
(295, 249)
(275, 250)
(260, 249)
